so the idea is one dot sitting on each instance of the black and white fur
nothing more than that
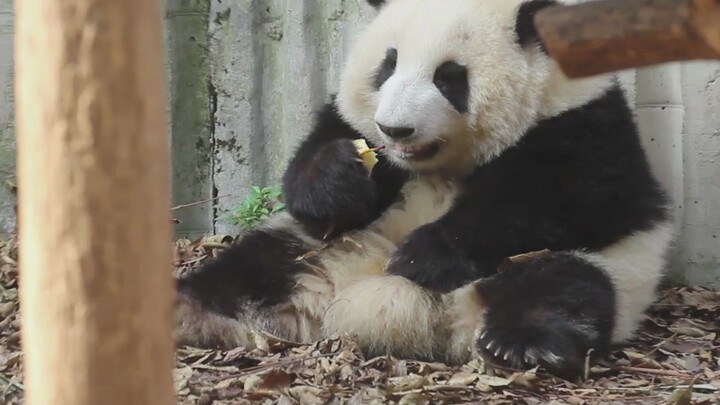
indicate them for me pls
(490, 152)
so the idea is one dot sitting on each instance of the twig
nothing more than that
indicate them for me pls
(197, 203)
(657, 346)
(193, 261)
(12, 383)
(650, 336)
(668, 373)
(586, 373)
(602, 398)
(511, 261)
(263, 367)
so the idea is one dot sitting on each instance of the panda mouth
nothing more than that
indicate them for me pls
(416, 152)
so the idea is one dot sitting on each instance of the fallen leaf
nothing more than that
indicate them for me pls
(633, 356)
(493, 381)
(181, 376)
(691, 363)
(407, 383)
(681, 396)
(6, 309)
(252, 382)
(229, 383)
(463, 379)
(525, 378)
(487, 383)
(687, 330)
(334, 371)
(414, 398)
(275, 380)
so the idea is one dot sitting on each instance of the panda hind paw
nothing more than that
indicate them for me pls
(522, 348)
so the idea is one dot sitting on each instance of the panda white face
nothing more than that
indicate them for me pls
(445, 84)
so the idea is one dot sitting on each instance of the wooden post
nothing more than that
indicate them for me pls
(95, 259)
(608, 35)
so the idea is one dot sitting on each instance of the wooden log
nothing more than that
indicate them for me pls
(609, 35)
(93, 177)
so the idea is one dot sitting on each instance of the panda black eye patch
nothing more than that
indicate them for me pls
(451, 79)
(386, 69)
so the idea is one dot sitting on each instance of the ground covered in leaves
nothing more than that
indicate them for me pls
(674, 360)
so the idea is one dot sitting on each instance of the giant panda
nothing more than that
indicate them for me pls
(488, 152)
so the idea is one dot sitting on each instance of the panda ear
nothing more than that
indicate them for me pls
(376, 3)
(524, 22)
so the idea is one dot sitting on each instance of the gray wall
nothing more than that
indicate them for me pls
(244, 77)
(7, 143)
(698, 252)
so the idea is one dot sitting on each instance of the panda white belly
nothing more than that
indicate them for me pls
(364, 253)
(348, 291)
(389, 313)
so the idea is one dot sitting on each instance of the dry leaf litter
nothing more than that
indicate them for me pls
(675, 360)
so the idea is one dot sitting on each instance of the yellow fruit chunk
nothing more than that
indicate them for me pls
(368, 156)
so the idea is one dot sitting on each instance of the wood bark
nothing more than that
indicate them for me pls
(609, 35)
(93, 178)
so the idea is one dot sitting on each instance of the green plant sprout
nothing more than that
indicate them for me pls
(261, 203)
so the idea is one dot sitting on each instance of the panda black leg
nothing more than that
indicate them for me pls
(237, 291)
(259, 267)
(550, 312)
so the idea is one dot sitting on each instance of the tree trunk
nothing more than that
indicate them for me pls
(609, 35)
(95, 259)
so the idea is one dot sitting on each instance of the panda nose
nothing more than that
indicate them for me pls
(396, 132)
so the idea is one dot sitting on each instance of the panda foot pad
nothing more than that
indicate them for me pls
(526, 347)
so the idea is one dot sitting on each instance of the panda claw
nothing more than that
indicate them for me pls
(525, 348)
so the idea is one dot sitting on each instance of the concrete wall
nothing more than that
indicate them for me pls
(698, 253)
(677, 107)
(272, 64)
(190, 102)
(244, 77)
(7, 143)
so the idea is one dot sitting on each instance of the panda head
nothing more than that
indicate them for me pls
(448, 84)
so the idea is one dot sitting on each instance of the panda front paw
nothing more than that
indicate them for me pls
(523, 348)
(330, 189)
(426, 259)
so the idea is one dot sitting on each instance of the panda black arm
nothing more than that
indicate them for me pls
(479, 232)
(576, 181)
(470, 242)
(326, 186)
